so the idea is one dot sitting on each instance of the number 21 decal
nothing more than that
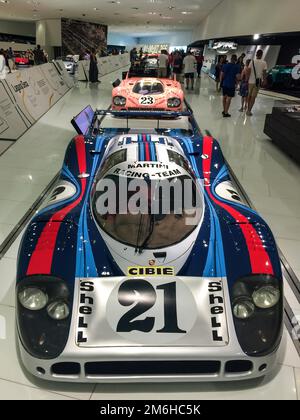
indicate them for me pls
(144, 296)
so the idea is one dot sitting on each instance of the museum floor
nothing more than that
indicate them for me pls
(270, 178)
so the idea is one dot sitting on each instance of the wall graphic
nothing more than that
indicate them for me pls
(78, 36)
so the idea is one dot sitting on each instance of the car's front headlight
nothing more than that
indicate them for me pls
(119, 100)
(43, 315)
(174, 102)
(257, 307)
(266, 297)
(33, 298)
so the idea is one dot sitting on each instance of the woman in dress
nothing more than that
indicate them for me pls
(93, 73)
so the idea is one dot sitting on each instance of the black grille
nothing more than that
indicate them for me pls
(205, 367)
(66, 368)
(238, 366)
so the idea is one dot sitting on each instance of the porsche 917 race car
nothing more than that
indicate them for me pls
(160, 284)
(148, 93)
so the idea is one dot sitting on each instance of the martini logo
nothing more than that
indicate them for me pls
(150, 271)
(20, 86)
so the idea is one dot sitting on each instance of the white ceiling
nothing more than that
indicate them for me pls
(128, 16)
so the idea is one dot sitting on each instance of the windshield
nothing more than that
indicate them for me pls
(161, 227)
(147, 88)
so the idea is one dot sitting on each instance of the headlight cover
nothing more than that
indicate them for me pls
(44, 333)
(243, 309)
(58, 310)
(259, 334)
(174, 102)
(33, 298)
(266, 297)
(119, 101)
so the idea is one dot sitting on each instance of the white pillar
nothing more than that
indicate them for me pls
(48, 35)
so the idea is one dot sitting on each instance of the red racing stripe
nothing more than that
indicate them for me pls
(41, 259)
(147, 152)
(259, 258)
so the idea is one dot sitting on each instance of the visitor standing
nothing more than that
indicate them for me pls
(38, 56)
(163, 61)
(257, 78)
(133, 55)
(93, 72)
(189, 64)
(3, 69)
(199, 59)
(177, 65)
(244, 85)
(218, 71)
(230, 76)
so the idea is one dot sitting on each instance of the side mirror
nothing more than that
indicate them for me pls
(116, 83)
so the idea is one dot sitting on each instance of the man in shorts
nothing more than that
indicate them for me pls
(190, 64)
(258, 74)
(230, 76)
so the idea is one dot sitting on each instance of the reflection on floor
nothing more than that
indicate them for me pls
(269, 177)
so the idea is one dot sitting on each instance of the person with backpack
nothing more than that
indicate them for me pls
(257, 77)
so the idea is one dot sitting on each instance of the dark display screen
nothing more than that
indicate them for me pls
(83, 120)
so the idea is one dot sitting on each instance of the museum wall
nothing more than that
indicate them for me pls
(172, 38)
(116, 38)
(17, 28)
(244, 17)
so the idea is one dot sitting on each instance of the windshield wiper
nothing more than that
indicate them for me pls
(141, 248)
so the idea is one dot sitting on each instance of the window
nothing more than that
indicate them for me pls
(179, 160)
(148, 88)
(113, 160)
(157, 229)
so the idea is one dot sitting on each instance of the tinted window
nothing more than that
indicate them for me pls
(147, 88)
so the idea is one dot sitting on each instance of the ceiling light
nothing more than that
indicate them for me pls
(186, 13)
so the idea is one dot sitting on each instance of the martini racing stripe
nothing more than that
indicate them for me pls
(42, 256)
(259, 258)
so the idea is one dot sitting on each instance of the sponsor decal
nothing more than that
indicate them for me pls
(217, 310)
(132, 174)
(150, 271)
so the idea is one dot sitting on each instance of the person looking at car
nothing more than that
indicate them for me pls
(257, 78)
(3, 70)
(189, 64)
(163, 61)
(244, 86)
(177, 65)
(230, 76)
(38, 56)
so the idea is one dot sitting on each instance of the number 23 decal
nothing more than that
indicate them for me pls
(144, 295)
(147, 100)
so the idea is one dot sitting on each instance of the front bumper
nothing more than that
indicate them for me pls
(107, 356)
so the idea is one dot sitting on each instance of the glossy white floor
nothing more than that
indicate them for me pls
(270, 178)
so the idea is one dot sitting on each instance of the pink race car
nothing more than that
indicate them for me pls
(148, 94)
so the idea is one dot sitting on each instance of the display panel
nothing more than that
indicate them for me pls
(83, 120)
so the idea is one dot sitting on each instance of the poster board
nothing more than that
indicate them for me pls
(26, 95)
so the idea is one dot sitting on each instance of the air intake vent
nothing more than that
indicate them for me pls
(153, 368)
